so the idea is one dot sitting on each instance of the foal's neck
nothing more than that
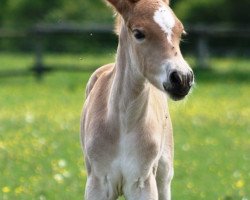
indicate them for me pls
(130, 90)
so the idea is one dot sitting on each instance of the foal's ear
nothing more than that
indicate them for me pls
(122, 6)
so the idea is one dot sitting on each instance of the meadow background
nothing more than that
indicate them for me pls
(40, 152)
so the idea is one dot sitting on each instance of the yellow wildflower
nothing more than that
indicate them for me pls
(6, 189)
(59, 178)
(240, 184)
(190, 185)
(2, 146)
(19, 190)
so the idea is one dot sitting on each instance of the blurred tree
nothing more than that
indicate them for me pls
(238, 11)
(81, 10)
(214, 12)
(2, 11)
(24, 13)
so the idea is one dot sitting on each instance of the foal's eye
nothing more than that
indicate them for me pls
(139, 35)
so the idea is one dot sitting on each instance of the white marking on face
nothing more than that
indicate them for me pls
(164, 17)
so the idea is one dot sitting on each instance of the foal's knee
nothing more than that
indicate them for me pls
(99, 189)
(142, 189)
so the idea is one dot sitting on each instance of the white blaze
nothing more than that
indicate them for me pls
(164, 17)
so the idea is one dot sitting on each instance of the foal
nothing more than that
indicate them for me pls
(126, 129)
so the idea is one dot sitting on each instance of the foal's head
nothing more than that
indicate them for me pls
(153, 34)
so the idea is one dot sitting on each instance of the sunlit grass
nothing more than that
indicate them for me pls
(212, 134)
(40, 153)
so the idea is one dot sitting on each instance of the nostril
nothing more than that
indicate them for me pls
(175, 78)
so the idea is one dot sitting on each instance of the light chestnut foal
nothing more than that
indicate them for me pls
(126, 128)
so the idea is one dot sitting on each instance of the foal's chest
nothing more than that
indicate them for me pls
(138, 152)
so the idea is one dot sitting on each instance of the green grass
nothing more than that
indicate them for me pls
(40, 153)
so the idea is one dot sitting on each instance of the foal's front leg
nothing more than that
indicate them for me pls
(98, 189)
(164, 177)
(142, 189)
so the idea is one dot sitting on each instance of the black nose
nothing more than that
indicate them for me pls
(175, 79)
(181, 83)
(180, 80)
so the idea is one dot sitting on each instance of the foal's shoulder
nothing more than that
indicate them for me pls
(96, 75)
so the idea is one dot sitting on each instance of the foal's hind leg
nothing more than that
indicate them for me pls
(142, 190)
(98, 189)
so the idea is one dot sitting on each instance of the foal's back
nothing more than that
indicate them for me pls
(101, 72)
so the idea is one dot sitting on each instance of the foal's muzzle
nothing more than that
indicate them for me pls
(179, 84)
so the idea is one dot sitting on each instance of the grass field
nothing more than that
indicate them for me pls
(40, 153)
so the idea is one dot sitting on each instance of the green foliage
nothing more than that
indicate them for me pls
(25, 13)
(40, 153)
(2, 11)
(214, 12)
(79, 11)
